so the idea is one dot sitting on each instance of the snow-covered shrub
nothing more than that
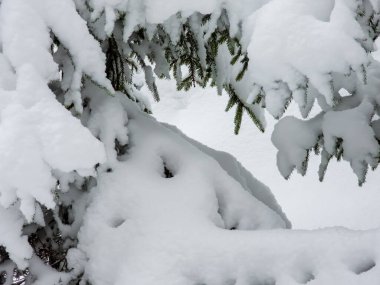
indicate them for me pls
(94, 190)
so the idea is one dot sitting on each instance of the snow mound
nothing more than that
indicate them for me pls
(172, 211)
(237, 171)
(163, 172)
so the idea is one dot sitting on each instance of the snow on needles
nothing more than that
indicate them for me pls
(39, 135)
(323, 32)
(304, 50)
(25, 36)
(164, 209)
(304, 32)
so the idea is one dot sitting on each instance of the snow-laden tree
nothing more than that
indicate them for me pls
(94, 191)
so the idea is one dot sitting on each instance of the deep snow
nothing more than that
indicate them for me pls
(309, 204)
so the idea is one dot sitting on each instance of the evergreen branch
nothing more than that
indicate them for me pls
(255, 120)
(232, 102)
(245, 61)
(238, 118)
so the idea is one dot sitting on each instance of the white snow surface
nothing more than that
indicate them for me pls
(200, 195)
(202, 226)
(309, 204)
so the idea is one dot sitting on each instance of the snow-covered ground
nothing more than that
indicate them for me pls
(309, 204)
(174, 212)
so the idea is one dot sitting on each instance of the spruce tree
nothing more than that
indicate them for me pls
(94, 191)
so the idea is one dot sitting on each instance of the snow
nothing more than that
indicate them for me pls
(33, 44)
(242, 175)
(326, 33)
(25, 37)
(11, 223)
(294, 138)
(177, 230)
(44, 274)
(107, 122)
(148, 204)
(201, 194)
(35, 126)
(86, 53)
(311, 51)
(283, 49)
(33, 123)
(358, 152)
(308, 203)
(217, 258)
